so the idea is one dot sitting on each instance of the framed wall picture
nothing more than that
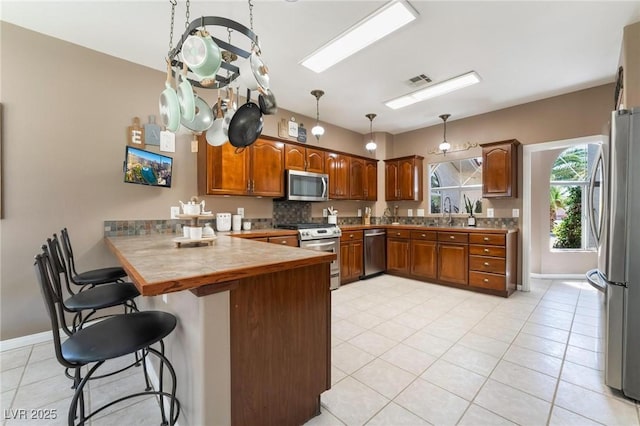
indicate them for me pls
(135, 134)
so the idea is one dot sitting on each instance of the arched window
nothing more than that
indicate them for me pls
(567, 198)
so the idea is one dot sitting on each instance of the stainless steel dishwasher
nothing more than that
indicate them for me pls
(375, 252)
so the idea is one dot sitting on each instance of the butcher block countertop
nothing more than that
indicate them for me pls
(157, 266)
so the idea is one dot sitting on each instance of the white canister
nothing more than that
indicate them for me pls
(236, 223)
(223, 222)
(196, 233)
(186, 232)
(332, 219)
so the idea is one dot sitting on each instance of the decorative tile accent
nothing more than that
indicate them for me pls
(289, 212)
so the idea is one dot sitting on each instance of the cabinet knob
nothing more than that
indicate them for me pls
(452, 237)
(351, 236)
(486, 280)
(486, 250)
(486, 263)
(486, 238)
(423, 235)
(398, 234)
(283, 242)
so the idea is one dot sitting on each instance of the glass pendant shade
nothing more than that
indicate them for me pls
(317, 130)
(371, 145)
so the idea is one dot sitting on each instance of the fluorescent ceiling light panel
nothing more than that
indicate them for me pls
(380, 23)
(434, 90)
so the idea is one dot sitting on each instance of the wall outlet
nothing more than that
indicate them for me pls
(359, 212)
(410, 212)
(241, 211)
(489, 212)
(325, 213)
(175, 211)
(194, 146)
(165, 298)
(515, 213)
(420, 212)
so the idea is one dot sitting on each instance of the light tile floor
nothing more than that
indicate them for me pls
(409, 353)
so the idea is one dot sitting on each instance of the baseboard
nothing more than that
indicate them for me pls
(31, 339)
(558, 276)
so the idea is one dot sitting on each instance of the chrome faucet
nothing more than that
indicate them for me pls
(444, 210)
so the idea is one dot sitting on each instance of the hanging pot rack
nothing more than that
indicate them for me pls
(221, 81)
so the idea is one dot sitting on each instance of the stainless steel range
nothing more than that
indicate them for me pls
(321, 237)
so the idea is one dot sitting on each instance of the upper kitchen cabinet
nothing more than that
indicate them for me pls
(371, 180)
(337, 167)
(298, 157)
(357, 177)
(500, 169)
(403, 178)
(257, 170)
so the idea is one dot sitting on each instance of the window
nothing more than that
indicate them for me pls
(567, 198)
(454, 179)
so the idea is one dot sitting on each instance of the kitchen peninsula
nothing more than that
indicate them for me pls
(252, 345)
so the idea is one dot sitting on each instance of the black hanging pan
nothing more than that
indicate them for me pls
(246, 124)
(267, 101)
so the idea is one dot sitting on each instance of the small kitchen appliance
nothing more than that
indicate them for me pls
(223, 222)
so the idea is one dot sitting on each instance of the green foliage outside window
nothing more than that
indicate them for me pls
(569, 232)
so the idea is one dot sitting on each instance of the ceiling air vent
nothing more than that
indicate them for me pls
(419, 80)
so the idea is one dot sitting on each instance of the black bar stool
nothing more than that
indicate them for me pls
(92, 277)
(111, 338)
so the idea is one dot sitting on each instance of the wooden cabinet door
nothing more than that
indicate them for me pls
(453, 263)
(267, 160)
(410, 179)
(227, 171)
(315, 160)
(345, 263)
(294, 157)
(424, 259)
(398, 255)
(337, 167)
(356, 179)
(371, 181)
(391, 181)
(499, 169)
(357, 258)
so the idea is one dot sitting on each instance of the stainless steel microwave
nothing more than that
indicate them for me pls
(306, 186)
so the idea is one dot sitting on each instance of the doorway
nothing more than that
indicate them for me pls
(537, 161)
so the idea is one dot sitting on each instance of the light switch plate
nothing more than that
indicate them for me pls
(165, 298)
(325, 213)
(420, 212)
(359, 212)
(410, 212)
(175, 211)
(489, 212)
(194, 146)
(515, 212)
(241, 211)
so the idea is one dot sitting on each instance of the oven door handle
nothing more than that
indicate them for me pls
(319, 244)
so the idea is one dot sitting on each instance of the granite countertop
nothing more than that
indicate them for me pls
(431, 228)
(259, 233)
(157, 266)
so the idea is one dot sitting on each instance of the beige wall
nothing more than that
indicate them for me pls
(631, 64)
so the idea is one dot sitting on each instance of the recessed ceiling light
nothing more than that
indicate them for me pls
(434, 90)
(382, 22)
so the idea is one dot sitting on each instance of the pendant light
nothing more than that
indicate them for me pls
(371, 145)
(444, 145)
(317, 130)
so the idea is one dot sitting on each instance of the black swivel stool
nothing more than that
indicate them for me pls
(92, 277)
(111, 338)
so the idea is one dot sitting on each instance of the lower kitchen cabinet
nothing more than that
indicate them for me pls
(424, 255)
(398, 256)
(351, 256)
(484, 262)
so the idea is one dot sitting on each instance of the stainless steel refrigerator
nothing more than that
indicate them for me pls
(614, 215)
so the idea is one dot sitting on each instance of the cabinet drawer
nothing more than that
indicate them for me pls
(398, 233)
(487, 264)
(493, 239)
(484, 280)
(351, 236)
(291, 241)
(424, 235)
(453, 237)
(494, 251)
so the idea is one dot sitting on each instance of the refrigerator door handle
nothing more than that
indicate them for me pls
(590, 193)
